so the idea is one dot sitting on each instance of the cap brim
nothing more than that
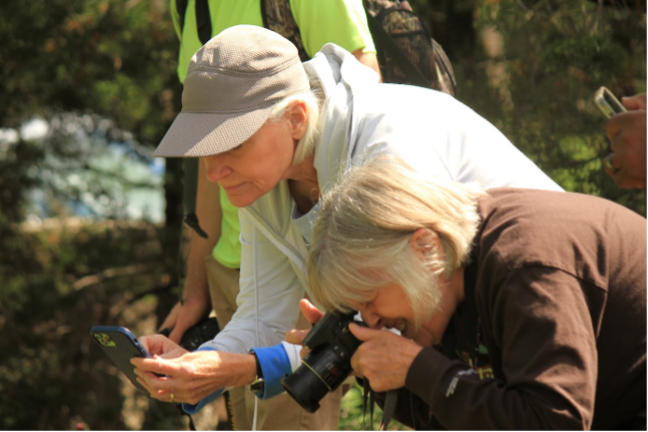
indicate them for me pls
(206, 134)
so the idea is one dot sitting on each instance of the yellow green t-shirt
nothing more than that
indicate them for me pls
(342, 22)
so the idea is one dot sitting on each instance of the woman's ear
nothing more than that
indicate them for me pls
(298, 117)
(424, 241)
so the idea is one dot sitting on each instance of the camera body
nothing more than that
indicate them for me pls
(197, 335)
(327, 365)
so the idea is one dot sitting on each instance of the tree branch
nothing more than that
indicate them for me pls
(118, 308)
(98, 278)
(119, 178)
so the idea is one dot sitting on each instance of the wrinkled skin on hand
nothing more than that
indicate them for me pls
(383, 358)
(191, 376)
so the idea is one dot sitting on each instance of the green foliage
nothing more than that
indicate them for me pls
(113, 58)
(16, 178)
(100, 68)
(531, 68)
(553, 57)
(353, 418)
(50, 371)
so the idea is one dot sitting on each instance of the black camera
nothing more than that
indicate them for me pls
(327, 365)
(197, 335)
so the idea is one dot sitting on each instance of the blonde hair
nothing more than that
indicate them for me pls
(361, 240)
(313, 99)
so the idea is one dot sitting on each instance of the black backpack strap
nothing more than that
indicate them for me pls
(277, 16)
(203, 21)
(383, 40)
(181, 8)
(190, 191)
(445, 72)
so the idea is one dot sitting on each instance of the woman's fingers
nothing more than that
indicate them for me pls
(296, 337)
(172, 318)
(156, 367)
(364, 333)
(157, 344)
(161, 383)
(637, 102)
(146, 385)
(312, 314)
(304, 352)
(163, 395)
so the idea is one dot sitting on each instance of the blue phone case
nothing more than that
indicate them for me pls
(120, 345)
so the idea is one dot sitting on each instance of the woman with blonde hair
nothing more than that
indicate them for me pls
(535, 300)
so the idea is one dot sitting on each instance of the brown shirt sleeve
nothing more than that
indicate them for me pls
(546, 352)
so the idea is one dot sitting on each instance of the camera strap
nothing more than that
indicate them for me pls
(367, 393)
(192, 426)
(391, 397)
(388, 410)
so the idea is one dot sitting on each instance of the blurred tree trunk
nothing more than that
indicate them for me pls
(174, 212)
(160, 413)
(495, 66)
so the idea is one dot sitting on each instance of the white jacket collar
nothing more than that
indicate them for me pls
(340, 74)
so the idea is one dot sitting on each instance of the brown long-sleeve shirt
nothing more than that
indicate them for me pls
(559, 336)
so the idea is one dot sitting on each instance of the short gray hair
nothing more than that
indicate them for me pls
(361, 240)
(314, 99)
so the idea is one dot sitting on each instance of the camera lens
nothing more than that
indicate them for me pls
(327, 365)
(322, 371)
(104, 339)
(305, 387)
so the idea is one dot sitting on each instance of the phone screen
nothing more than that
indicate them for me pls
(608, 104)
(617, 107)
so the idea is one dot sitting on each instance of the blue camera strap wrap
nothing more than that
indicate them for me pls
(192, 409)
(275, 364)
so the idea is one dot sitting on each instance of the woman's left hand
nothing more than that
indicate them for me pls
(383, 358)
(194, 375)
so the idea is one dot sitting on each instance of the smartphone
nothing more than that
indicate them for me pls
(609, 104)
(120, 345)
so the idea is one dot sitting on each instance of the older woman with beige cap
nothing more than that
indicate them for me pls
(275, 134)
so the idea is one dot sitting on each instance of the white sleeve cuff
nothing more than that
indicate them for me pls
(293, 354)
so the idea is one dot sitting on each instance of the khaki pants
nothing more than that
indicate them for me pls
(280, 412)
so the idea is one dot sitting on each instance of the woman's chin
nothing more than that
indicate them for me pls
(423, 338)
(240, 201)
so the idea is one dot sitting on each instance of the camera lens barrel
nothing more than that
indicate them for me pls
(327, 365)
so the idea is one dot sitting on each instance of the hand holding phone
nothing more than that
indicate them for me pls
(626, 132)
(608, 103)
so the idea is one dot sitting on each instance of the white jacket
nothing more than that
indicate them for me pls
(431, 131)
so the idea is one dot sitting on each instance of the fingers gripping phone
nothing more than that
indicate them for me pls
(609, 104)
(120, 345)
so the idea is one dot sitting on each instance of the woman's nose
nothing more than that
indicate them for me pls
(371, 318)
(216, 168)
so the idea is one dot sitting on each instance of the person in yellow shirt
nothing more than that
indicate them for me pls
(213, 263)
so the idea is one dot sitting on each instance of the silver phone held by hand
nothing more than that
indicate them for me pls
(608, 103)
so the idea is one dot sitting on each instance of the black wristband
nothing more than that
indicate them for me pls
(259, 371)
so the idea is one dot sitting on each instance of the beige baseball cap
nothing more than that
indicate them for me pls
(232, 84)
